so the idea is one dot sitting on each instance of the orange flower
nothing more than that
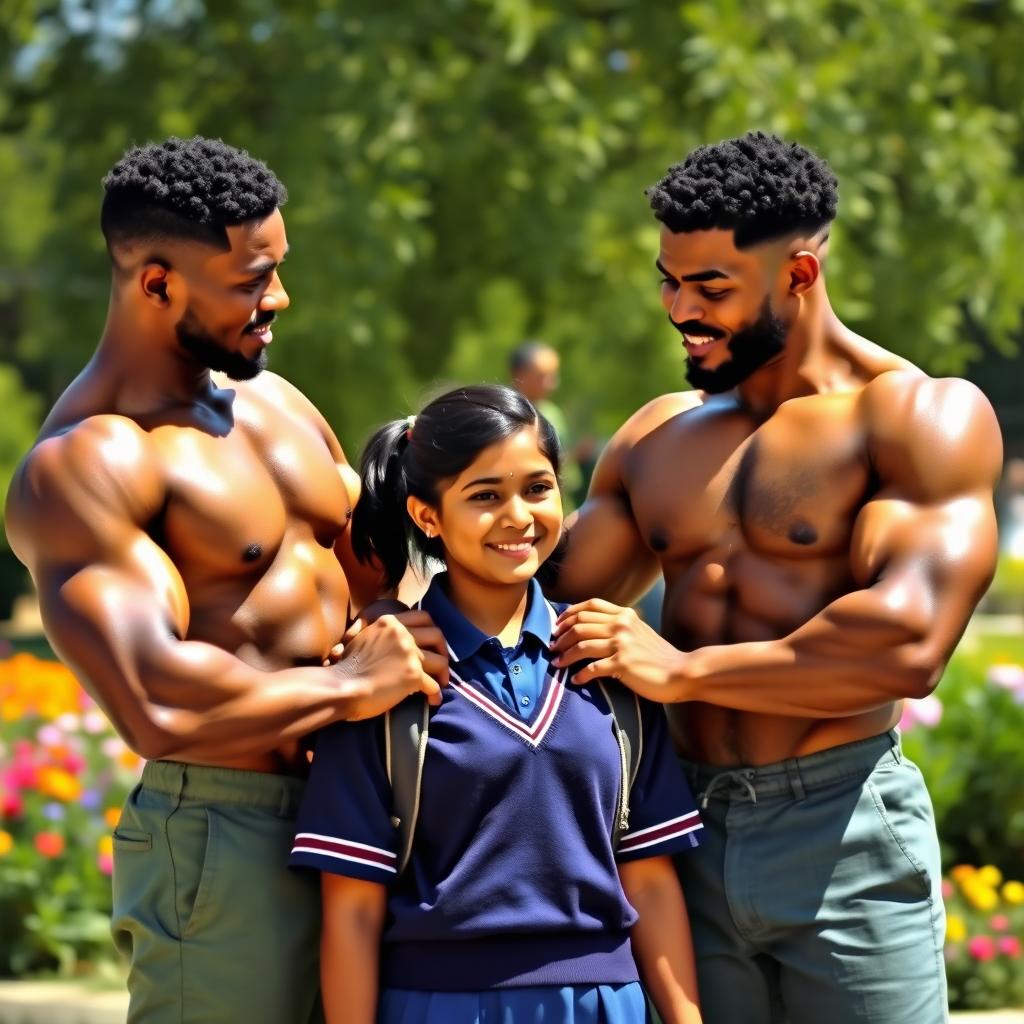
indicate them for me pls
(112, 815)
(50, 844)
(6, 843)
(59, 784)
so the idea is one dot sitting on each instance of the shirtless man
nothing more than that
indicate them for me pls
(188, 536)
(822, 513)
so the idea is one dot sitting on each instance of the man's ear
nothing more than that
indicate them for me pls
(804, 271)
(424, 516)
(153, 281)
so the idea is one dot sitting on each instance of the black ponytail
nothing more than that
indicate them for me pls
(401, 460)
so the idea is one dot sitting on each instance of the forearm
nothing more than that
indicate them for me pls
(349, 958)
(193, 701)
(857, 654)
(662, 944)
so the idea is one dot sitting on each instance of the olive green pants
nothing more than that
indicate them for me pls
(216, 929)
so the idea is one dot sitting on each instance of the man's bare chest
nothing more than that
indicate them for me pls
(234, 498)
(789, 487)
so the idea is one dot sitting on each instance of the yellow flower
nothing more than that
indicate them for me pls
(990, 875)
(6, 843)
(112, 815)
(1013, 893)
(962, 872)
(59, 784)
(981, 897)
(105, 847)
(956, 928)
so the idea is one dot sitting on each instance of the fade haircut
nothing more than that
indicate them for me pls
(185, 188)
(523, 356)
(759, 186)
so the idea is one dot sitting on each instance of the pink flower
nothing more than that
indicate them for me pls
(999, 922)
(11, 805)
(982, 947)
(105, 863)
(927, 712)
(947, 889)
(74, 763)
(50, 735)
(1009, 945)
(1007, 677)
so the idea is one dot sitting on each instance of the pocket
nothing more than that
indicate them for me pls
(191, 837)
(129, 840)
(904, 810)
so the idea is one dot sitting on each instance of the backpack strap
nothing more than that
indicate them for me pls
(629, 734)
(405, 747)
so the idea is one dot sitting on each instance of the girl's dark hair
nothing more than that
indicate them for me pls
(399, 461)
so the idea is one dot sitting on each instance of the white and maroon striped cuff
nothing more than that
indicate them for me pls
(662, 833)
(345, 849)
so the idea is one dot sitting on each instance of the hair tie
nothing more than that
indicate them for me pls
(410, 422)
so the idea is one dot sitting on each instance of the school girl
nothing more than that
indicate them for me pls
(515, 907)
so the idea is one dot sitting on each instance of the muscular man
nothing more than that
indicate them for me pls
(822, 513)
(188, 535)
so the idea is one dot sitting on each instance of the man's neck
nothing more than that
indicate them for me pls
(809, 364)
(148, 371)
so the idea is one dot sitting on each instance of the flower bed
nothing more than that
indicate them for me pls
(64, 775)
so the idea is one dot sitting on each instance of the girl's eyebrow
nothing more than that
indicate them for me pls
(493, 480)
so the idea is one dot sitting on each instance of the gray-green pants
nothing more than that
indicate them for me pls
(815, 894)
(216, 928)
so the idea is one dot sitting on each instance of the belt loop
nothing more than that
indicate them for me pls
(796, 783)
(897, 745)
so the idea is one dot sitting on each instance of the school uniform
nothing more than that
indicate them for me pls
(510, 908)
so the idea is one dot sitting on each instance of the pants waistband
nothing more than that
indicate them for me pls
(279, 793)
(795, 776)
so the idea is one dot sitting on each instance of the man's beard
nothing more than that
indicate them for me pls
(749, 349)
(199, 343)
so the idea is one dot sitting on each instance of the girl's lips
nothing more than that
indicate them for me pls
(517, 551)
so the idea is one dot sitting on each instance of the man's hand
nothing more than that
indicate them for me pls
(397, 655)
(621, 645)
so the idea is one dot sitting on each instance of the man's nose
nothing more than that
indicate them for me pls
(685, 307)
(275, 297)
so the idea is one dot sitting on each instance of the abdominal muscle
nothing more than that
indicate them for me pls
(723, 737)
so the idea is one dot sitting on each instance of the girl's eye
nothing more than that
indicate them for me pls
(483, 496)
(540, 488)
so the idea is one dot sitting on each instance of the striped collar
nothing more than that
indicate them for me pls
(463, 638)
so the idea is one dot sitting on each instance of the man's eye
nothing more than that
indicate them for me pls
(712, 296)
(668, 281)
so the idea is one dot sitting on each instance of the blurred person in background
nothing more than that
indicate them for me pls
(186, 520)
(822, 514)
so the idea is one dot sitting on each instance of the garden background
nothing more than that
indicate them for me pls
(465, 174)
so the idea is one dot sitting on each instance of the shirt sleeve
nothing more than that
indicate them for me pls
(663, 816)
(344, 823)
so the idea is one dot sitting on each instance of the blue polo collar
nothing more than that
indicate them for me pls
(463, 638)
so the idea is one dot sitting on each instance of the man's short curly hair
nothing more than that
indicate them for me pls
(758, 185)
(185, 188)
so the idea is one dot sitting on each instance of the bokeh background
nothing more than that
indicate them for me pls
(465, 174)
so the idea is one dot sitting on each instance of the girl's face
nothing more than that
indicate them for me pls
(501, 517)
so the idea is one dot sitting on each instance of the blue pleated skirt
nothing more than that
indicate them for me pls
(576, 1004)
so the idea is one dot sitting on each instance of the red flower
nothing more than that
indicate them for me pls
(982, 947)
(50, 844)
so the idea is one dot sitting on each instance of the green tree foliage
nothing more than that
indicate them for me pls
(467, 173)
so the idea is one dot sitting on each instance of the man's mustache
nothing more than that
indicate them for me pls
(265, 318)
(700, 330)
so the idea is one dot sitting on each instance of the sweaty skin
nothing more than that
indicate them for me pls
(188, 535)
(824, 530)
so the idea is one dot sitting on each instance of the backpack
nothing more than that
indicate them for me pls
(405, 748)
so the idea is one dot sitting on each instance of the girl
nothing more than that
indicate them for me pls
(514, 906)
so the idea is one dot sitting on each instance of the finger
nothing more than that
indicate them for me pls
(436, 665)
(433, 692)
(581, 631)
(595, 670)
(602, 648)
(353, 631)
(414, 617)
(595, 606)
(429, 638)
